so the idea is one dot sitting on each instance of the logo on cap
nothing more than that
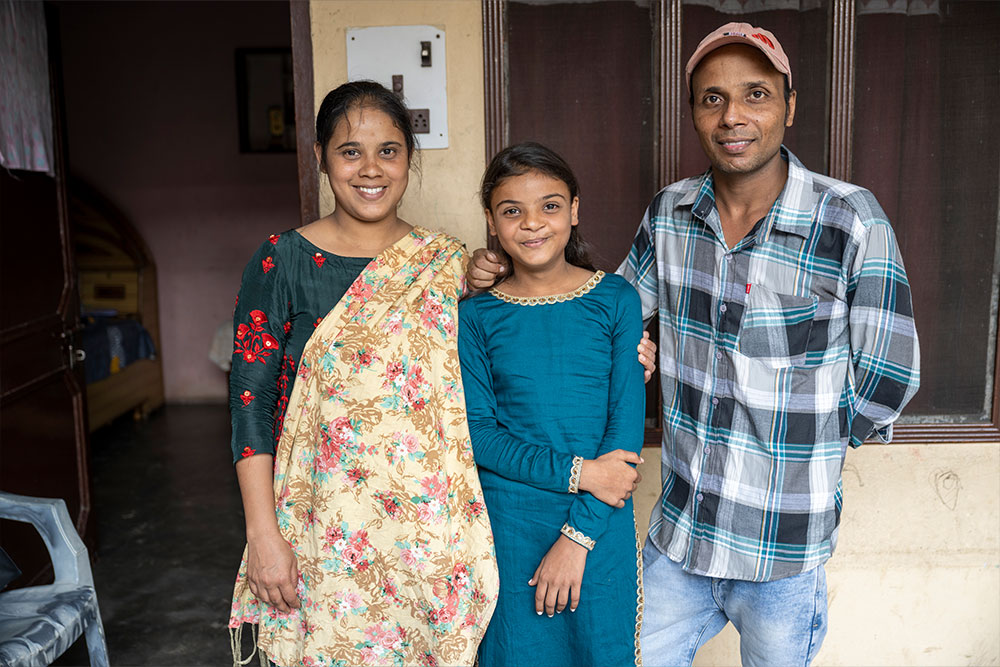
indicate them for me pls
(763, 38)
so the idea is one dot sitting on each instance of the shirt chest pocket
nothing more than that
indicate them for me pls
(775, 327)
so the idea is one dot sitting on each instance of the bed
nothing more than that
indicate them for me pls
(119, 310)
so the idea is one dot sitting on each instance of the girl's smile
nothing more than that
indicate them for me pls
(535, 243)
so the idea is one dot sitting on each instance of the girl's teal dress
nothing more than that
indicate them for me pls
(548, 382)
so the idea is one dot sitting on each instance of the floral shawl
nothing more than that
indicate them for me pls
(375, 486)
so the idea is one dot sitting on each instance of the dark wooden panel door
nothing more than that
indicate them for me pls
(43, 434)
(581, 82)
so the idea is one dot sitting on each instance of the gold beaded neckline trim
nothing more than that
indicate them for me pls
(554, 298)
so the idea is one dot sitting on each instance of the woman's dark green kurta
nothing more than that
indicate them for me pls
(288, 288)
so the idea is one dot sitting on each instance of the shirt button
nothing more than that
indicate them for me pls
(723, 308)
(715, 401)
(718, 355)
(708, 450)
(729, 258)
(700, 497)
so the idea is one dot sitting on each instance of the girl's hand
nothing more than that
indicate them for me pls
(484, 269)
(610, 478)
(558, 577)
(272, 572)
(647, 355)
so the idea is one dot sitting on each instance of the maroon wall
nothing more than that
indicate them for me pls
(151, 114)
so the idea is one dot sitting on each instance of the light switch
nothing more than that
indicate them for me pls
(409, 60)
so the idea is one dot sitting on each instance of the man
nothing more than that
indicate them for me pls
(786, 334)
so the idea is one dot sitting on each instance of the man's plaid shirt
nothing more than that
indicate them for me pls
(775, 355)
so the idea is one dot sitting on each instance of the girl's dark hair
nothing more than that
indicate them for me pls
(362, 94)
(531, 156)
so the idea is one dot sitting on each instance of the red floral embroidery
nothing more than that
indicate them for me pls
(287, 327)
(319, 259)
(252, 341)
(287, 365)
(237, 301)
(248, 452)
(273, 238)
(246, 397)
(316, 323)
(267, 264)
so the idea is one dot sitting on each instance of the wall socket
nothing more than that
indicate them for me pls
(420, 121)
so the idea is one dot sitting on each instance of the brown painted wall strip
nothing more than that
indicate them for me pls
(495, 75)
(305, 130)
(670, 96)
(841, 88)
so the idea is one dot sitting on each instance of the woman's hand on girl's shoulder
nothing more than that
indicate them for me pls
(559, 577)
(611, 477)
(485, 268)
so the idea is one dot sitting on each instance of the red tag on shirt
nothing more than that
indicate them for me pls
(748, 288)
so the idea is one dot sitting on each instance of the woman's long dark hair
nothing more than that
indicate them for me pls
(531, 156)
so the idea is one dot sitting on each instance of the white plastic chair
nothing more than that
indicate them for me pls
(39, 623)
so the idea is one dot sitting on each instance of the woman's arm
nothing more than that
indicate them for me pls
(272, 572)
(259, 341)
(259, 322)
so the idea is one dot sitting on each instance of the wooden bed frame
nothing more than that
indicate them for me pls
(116, 270)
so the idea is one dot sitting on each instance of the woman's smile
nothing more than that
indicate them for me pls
(371, 193)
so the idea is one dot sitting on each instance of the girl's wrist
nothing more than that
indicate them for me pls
(579, 548)
(586, 475)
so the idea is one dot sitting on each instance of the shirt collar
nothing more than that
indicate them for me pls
(797, 200)
(792, 212)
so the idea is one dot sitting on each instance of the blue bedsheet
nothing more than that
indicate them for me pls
(112, 343)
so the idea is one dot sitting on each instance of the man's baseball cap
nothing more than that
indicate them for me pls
(741, 33)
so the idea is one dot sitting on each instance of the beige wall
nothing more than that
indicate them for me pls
(445, 196)
(915, 579)
(916, 576)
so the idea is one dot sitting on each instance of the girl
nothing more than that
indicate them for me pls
(554, 396)
(369, 543)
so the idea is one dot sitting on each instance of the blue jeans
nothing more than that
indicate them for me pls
(780, 622)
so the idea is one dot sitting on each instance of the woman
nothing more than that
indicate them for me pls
(369, 544)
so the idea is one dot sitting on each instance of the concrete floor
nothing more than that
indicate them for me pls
(170, 537)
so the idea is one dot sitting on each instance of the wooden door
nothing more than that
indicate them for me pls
(581, 80)
(43, 434)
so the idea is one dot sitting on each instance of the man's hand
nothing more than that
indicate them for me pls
(558, 578)
(484, 269)
(273, 572)
(610, 478)
(647, 355)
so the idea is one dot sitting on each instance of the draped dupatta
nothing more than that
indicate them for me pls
(375, 486)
